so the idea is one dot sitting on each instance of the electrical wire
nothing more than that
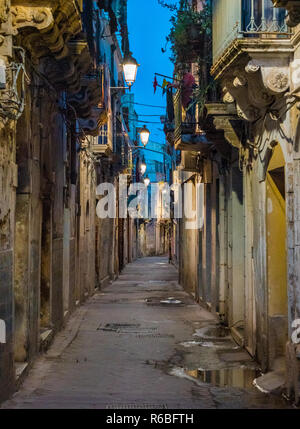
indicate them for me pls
(127, 114)
(148, 122)
(149, 105)
(13, 106)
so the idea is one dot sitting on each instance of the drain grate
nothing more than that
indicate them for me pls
(126, 328)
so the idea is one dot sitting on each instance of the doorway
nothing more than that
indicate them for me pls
(276, 256)
(236, 255)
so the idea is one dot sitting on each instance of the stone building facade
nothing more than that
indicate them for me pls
(59, 139)
(243, 263)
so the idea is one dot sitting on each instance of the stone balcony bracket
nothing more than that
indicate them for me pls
(89, 96)
(256, 84)
(45, 26)
(91, 125)
(92, 102)
(293, 8)
(226, 126)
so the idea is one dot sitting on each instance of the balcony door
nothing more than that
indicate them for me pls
(261, 16)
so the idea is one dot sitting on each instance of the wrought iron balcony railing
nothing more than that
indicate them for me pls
(183, 125)
(238, 19)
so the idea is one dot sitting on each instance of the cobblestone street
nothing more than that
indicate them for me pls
(143, 343)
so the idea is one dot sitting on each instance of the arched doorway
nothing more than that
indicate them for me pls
(276, 257)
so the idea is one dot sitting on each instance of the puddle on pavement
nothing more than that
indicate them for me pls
(228, 345)
(238, 377)
(213, 332)
(171, 302)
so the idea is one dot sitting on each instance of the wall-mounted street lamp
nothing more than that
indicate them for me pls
(147, 181)
(145, 134)
(143, 168)
(130, 66)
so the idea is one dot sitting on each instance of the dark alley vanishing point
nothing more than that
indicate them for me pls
(143, 343)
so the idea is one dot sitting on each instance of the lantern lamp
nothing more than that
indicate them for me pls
(147, 181)
(143, 168)
(130, 67)
(145, 134)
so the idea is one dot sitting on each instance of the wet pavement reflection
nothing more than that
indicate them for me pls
(232, 377)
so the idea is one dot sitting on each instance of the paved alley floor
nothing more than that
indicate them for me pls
(143, 343)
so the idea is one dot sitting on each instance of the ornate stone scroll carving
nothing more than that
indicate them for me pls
(92, 102)
(45, 27)
(255, 85)
(67, 73)
(93, 123)
(293, 18)
(4, 11)
(40, 18)
(277, 81)
(293, 8)
(89, 96)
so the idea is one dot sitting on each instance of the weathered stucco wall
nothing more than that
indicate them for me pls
(8, 182)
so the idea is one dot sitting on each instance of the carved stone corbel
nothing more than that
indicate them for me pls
(225, 119)
(89, 96)
(236, 89)
(68, 72)
(230, 133)
(93, 123)
(293, 8)
(45, 26)
(40, 18)
(256, 84)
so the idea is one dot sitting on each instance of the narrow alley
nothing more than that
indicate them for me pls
(142, 342)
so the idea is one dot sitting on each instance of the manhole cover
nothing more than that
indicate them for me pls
(126, 328)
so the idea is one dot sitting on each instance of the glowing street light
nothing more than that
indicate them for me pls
(145, 134)
(147, 181)
(130, 67)
(143, 168)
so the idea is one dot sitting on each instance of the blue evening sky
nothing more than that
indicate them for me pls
(148, 25)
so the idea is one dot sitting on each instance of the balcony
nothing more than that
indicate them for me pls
(92, 102)
(246, 19)
(186, 136)
(102, 144)
(293, 8)
(252, 45)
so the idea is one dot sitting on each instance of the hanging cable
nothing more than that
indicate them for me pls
(128, 114)
(13, 105)
(149, 105)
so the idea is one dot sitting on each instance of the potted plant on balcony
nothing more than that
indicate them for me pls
(190, 33)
